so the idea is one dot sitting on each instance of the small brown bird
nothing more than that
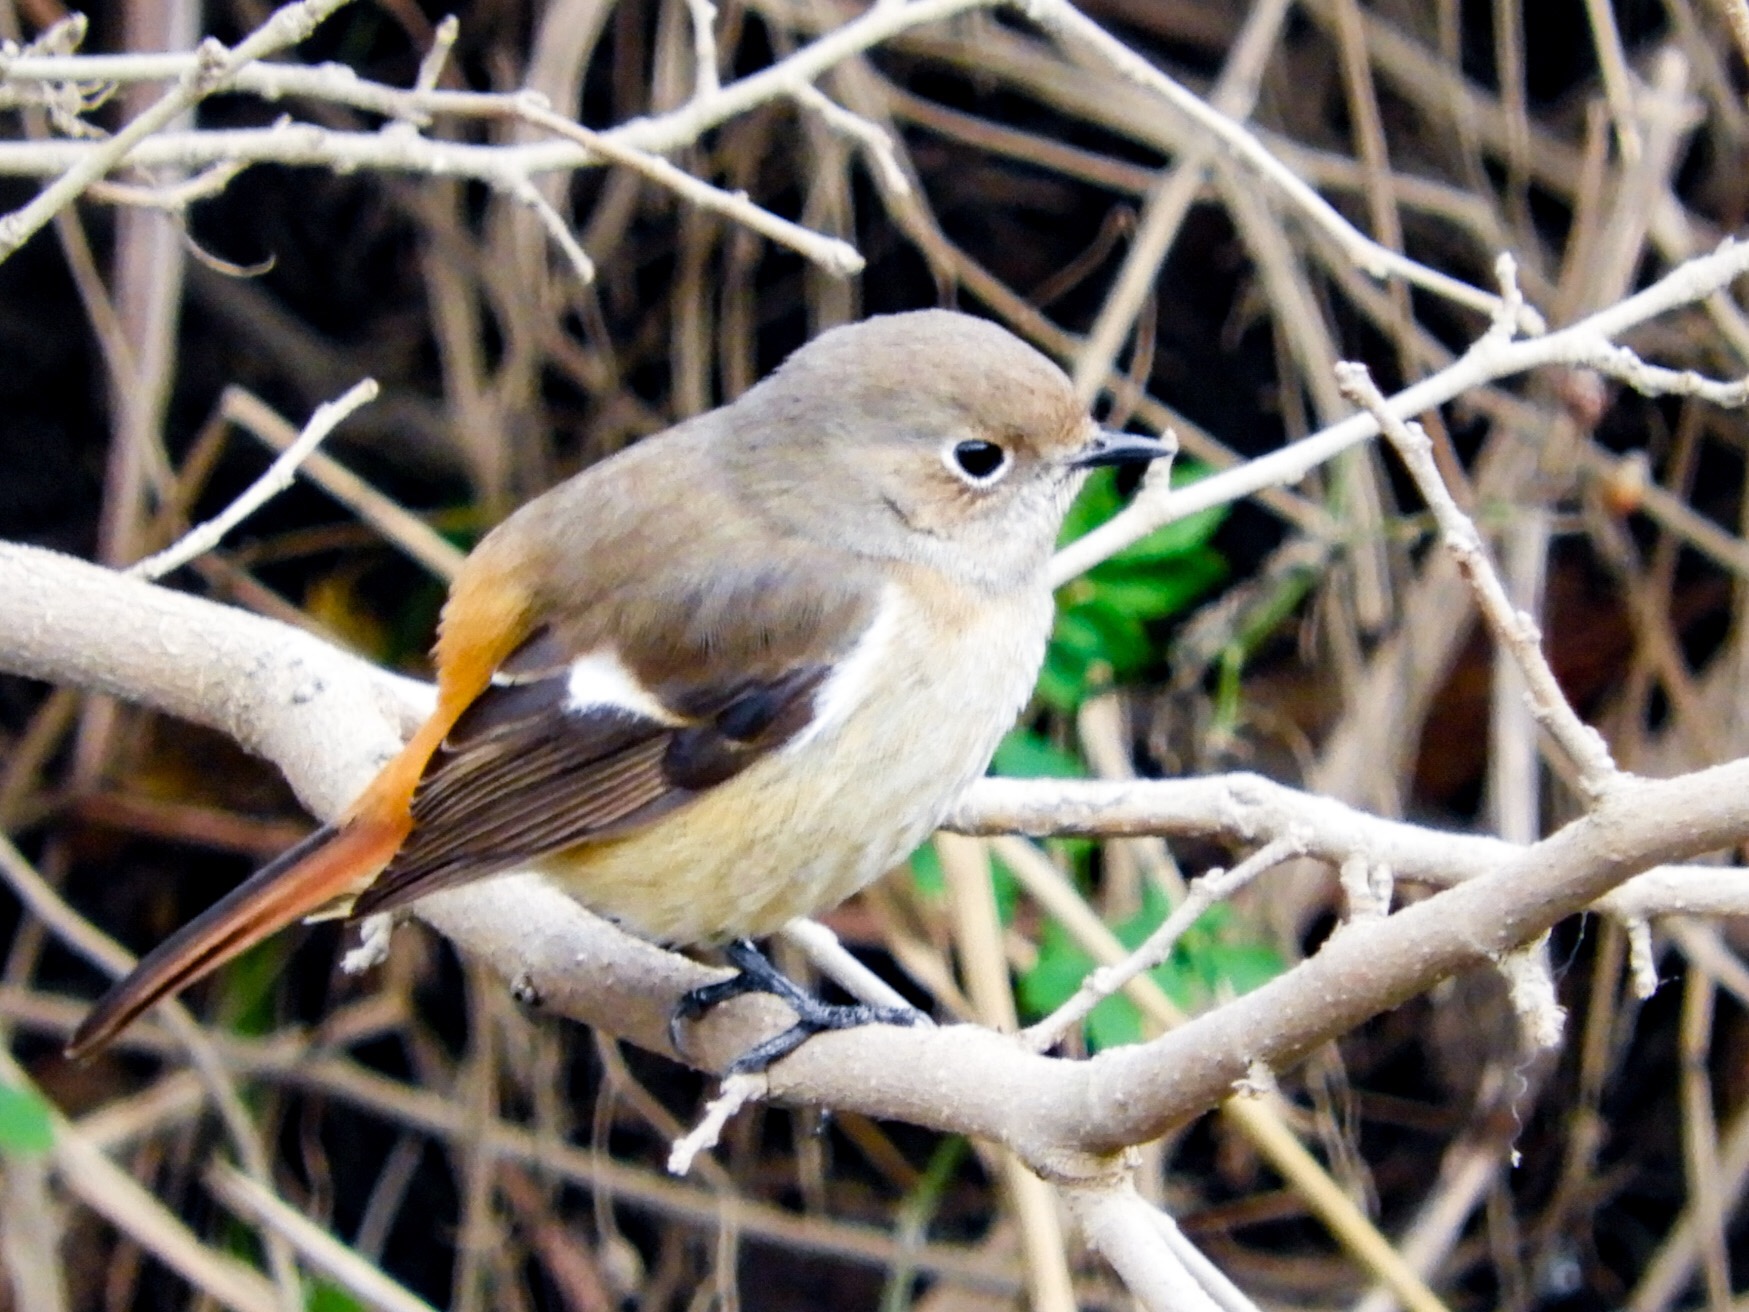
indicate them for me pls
(728, 676)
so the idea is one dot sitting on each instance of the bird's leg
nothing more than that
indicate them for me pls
(756, 974)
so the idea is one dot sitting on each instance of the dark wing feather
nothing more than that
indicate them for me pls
(731, 628)
(738, 725)
(524, 775)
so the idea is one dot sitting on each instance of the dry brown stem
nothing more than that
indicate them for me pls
(327, 719)
(506, 333)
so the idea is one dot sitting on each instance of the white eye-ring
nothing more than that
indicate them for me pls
(976, 461)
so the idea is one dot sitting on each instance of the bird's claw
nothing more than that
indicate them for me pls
(756, 974)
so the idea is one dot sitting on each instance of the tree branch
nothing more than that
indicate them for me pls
(328, 720)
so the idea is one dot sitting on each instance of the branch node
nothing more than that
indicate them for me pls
(1259, 1080)
(1531, 988)
(1512, 316)
(525, 991)
(736, 1093)
(443, 38)
(1642, 960)
(1367, 886)
(373, 944)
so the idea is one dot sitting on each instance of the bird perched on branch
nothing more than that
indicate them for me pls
(728, 676)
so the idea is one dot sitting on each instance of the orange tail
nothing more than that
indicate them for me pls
(330, 864)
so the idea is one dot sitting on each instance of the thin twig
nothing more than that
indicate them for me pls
(116, 1196)
(1512, 629)
(1618, 79)
(321, 1250)
(1169, 200)
(874, 140)
(978, 941)
(46, 904)
(401, 529)
(1065, 21)
(736, 1093)
(832, 959)
(1700, 1135)
(278, 476)
(1103, 981)
(174, 198)
(213, 67)
(1493, 356)
(831, 254)
(525, 193)
(706, 83)
(431, 64)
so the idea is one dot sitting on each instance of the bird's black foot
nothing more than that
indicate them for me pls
(758, 975)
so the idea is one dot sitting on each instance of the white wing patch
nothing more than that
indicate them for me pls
(848, 686)
(601, 680)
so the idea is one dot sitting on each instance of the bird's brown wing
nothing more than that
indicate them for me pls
(524, 773)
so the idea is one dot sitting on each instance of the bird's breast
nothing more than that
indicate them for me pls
(910, 716)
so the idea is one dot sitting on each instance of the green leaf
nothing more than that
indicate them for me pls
(26, 1124)
(926, 872)
(1212, 959)
(1101, 634)
(1216, 958)
(1098, 502)
(1062, 683)
(1145, 596)
(1246, 966)
(1024, 754)
(1115, 1023)
(1055, 974)
(1154, 592)
(1123, 641)
(1179, 538)
(1181, 979)
(326, 1297)
(1078, 630)
(931, 880)
(247, 987)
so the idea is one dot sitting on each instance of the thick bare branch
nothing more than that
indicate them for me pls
(328, 720)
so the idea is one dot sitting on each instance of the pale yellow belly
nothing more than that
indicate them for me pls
(805, 828)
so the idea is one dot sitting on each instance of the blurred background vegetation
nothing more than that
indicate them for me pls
(1300, 635)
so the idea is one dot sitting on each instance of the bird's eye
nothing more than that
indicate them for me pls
(979, 462)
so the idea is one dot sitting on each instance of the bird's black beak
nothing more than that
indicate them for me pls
(1110, 447)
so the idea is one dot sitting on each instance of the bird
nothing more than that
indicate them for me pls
(727, 676)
